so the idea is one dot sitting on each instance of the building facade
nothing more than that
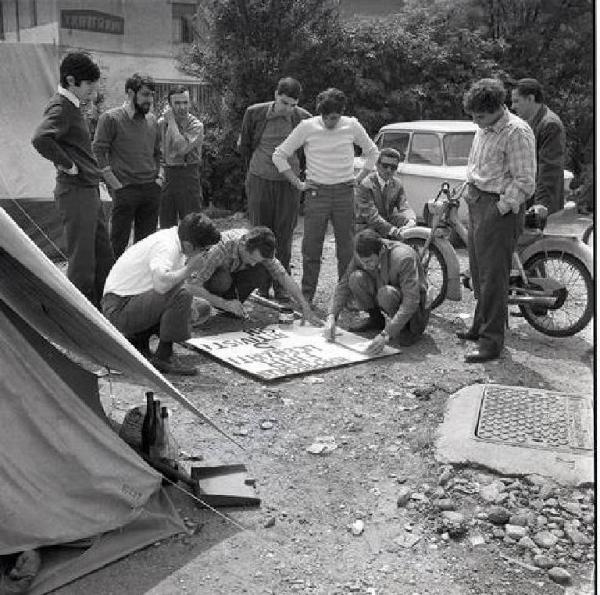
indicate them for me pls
(125, 36)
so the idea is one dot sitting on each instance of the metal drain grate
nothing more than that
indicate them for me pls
(535, 418)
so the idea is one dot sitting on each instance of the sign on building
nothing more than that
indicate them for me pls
(276, 351)
(92, 20)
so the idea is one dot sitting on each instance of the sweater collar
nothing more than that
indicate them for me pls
(70, 96)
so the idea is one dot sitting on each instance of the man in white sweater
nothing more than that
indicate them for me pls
(328, 141)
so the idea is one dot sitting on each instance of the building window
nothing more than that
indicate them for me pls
(183, 22)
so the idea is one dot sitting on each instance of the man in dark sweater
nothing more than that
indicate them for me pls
(127, 146)
(272, 200)
(63, 138)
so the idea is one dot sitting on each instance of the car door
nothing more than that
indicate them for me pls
(423, 170)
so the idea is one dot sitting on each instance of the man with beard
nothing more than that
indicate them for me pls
(127, 146)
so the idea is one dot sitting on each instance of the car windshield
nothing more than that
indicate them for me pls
(394, 140)
(457, 147)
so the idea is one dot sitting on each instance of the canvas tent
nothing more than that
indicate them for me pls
(28, 78)
(64, 474)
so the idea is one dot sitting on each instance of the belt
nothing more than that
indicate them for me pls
(181, 165)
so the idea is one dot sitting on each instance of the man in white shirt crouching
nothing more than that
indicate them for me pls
(144, 293)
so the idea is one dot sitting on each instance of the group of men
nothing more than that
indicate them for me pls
(150, 165)
(286, 152)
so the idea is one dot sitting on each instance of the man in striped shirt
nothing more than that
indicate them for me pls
(501, 178)
(328, 141)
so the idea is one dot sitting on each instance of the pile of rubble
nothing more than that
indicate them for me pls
(547, 526)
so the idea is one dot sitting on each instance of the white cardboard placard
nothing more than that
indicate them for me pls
(277, 351)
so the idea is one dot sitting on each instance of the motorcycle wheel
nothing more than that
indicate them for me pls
(576, 304)
(435, 269)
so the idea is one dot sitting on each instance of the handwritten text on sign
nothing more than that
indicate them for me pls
(277, 351)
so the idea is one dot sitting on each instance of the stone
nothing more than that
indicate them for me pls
(490, 493)
(542, 561)
(270, 522)
(546, 491)
(560, 576)
(498, 533)
(453, 523)
(438, 493)
(576, 536)
(444, 477)
(545, 539)
(444, 504)
(357, 527)
(515, 532)
(541, 521)
(558, 532)
(521, 518)
(527, 543)
(266, 425)
(498, 515)
(476, 540)
(403, 497)
(572, 507)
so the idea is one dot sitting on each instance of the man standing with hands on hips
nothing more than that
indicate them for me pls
(328, 141)
(181, 136)
(500, 179)
(127, 146)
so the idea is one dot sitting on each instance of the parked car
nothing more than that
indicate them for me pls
(432, 152)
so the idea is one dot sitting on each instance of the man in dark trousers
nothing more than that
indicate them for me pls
(386, 279)
(63, 138)
(127, 146)
(500, 180)
(528, 103)
(272, 200)
(145, 292)
(181, 136)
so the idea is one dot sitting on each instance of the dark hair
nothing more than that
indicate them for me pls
(527, 87)
(176, 90)
(486, 95)
(389, 152)
(198, 230)
(80, 66)
(290, 87)
(367, 242)
(263, 239)
(136, 81)
(331, 101)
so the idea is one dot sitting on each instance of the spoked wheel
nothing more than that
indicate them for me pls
(435, 269)
(575, 303)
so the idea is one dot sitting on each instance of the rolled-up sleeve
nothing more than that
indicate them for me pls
(289, 146)
(369, 148)
(521, 166)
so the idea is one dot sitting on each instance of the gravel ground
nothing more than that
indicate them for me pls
(383, 416)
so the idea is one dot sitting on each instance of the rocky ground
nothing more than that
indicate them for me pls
(374, 513)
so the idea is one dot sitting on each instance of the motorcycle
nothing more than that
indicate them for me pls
(551, 276)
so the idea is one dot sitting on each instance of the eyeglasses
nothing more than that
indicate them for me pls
(390, 166)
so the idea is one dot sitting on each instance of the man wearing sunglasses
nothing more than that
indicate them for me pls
(379, 201)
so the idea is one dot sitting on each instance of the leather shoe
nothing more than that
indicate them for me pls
(469, 335)
(173, 366)
(481, 354)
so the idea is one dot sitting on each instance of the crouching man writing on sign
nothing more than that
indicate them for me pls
(242, 261)
(145, 292)
(387, 280)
